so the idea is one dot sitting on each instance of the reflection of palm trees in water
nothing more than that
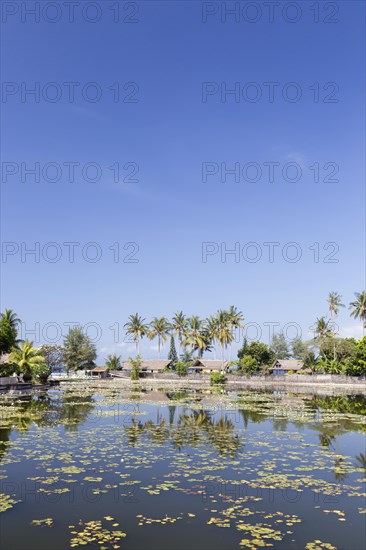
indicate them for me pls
(197, 427)
(361, 460)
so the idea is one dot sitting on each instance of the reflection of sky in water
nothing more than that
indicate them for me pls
(168, 454)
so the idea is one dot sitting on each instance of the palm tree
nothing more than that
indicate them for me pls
(235, 320)
(194, 336)
(211, 329)
(12, 318)
(179, 326)
(137, 327)
(223, 331)
(358, 307)
(26, 357)
(113, 362)
(159, 327)
(322, 331)
(334, 303)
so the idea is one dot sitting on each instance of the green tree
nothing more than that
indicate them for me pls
(298, 348)
(172, 356)
(279, 346)
(159, 328)
(358, 307)
(248, 365)
(26, 358)
(194, 336)
(217, 378)
(135, 367)
(334, 303)
(179, 326)
(137, 328)
(113, 362)
(79, 351)
(181, 368)
(9, 323)
(42, 371)
(322, 332)
(224, 333)
(259, 351)
(235, 319)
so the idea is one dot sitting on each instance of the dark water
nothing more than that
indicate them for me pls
(181, 469)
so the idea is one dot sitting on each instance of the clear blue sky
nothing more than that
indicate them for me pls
(169, 132)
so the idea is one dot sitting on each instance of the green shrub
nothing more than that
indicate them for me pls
(135, 370)
(181, 368)
(7, 369)
(248, 365)
(217, 378)
(42, 372)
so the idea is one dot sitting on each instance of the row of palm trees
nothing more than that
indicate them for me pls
(203, 335)
(191, 332)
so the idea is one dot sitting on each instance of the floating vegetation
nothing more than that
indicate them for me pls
(92, 532)
(47, 522)
(234, 462)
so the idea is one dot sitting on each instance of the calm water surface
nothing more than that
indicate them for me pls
(98, 466)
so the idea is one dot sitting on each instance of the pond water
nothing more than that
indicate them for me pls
(95, 465)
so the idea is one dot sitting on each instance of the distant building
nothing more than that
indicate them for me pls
(209, 365)
(99, 372)
(283, 366)
(149, 365)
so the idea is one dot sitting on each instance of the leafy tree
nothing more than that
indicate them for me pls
(243, 350)
(279, 346)
(311, 361)
(53, 354)
(137, 328)
(136, 366)
(79, 351)
(248, 365)
(358, 307)
(42, 371)
(181, 368)
(298, 348)
(187, 358)
(359, 364)
(172, 356)
(259, 351)
(9, 323)
(217, 378)
(113, 362)
(159, 327)
(26, 357)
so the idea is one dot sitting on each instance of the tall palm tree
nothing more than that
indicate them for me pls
(159, 327)
(26, 357)
(322, 331)
(334, 303)
(12, 318)
(211, 328)
(179, 326)
(194, 336)
(137, 328)
(223, 331)
(235, 318)
(358, 307)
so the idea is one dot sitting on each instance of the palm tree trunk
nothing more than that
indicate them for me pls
(159, 347)
(223, 358)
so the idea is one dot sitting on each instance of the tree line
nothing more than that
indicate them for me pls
(191, 337)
